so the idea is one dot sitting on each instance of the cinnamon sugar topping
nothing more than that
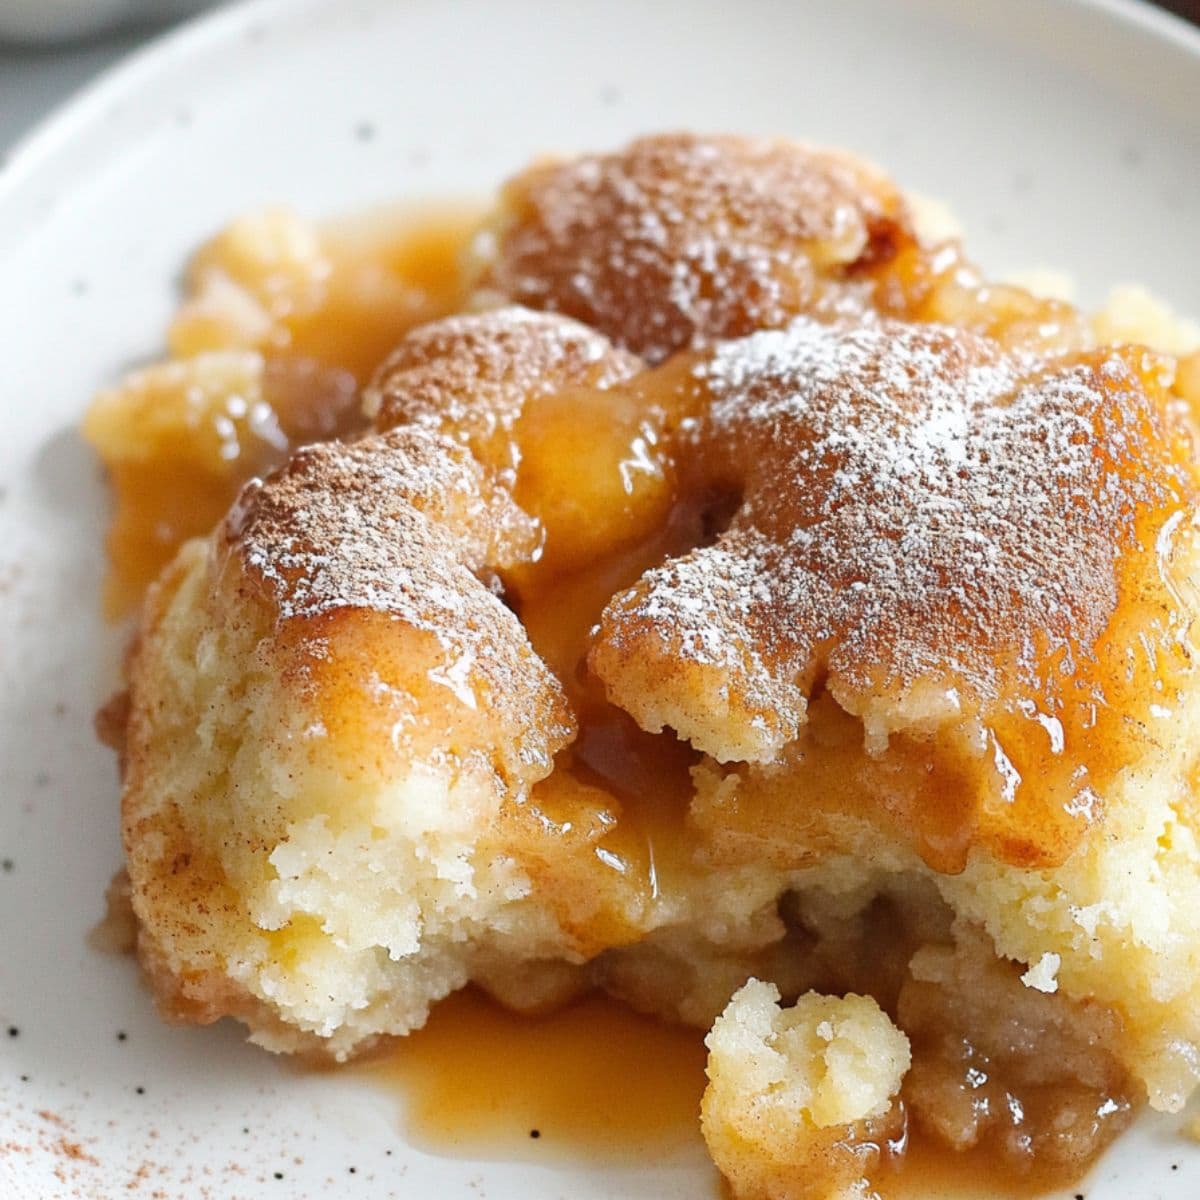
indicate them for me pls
(471, 375)
(390, 545)
(681, 237)
(953, 504)
(920, 508)
(394, 523)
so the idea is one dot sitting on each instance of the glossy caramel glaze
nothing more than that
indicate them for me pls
(268, 352)
(592, 1080)
(604, 835)
(930, 565)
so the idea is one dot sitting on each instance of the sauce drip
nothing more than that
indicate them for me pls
(603, 836)
(594, 1079)
(249, 380)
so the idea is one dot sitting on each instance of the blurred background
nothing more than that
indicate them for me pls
(49, 48)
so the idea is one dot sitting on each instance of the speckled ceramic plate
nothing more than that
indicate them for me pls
(1064, 134)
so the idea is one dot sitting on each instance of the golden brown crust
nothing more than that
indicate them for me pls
(679, 237)
(401, 528)
(472, 376)
(940, 535)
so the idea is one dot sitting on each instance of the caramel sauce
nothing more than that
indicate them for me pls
(176, 465)
(596, 474)
(926, 1170)
(606, 836)
(605, 1085)
(390, 272)
(603, 836)
(595, 1080)
(342, 292)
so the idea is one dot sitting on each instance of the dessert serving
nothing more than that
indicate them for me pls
(694, 582)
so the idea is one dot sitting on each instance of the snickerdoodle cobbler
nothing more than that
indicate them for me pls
(707, 588)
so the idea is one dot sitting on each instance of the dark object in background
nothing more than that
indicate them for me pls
(1185, 8)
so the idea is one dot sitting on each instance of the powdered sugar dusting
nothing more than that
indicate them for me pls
(470, 375)
(917, 504)
(402, 524)
(680, 238)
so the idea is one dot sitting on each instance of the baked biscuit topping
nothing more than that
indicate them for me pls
(366, 525)
(402, 527)
(682, 237)
(756, 593)
(942, 536)
(473, 375)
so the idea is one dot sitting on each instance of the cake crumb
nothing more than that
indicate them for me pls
(1043, 975)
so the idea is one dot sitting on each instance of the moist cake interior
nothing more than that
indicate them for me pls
(721, 596)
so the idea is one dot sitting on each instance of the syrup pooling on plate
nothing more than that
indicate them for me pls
(598, 1081)
(592, 1080)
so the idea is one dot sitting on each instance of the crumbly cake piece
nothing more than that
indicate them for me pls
(853, 653)
(375, 704)
(801, 1100)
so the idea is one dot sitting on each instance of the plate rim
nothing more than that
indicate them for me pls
(49, 143)
(35, 149)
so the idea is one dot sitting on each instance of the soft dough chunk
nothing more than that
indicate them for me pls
(328, 709)
(799, 1099)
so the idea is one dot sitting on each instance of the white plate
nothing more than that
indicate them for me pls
(1064, 134)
